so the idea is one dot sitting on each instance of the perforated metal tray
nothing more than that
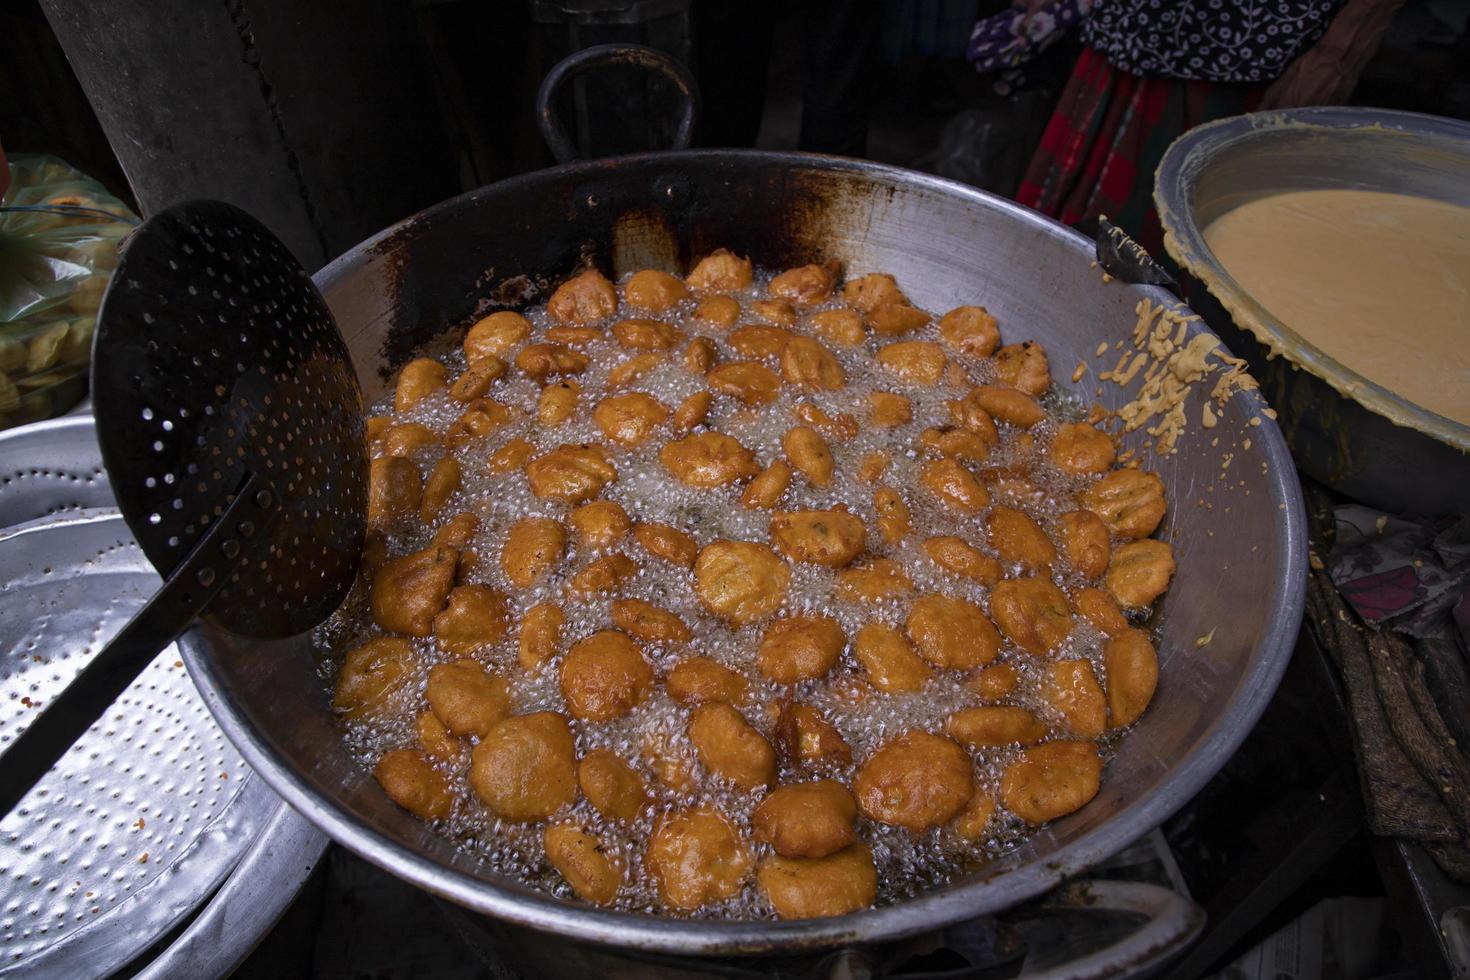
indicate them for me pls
(150, 811)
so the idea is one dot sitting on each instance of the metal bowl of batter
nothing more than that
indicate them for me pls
(1381, 446)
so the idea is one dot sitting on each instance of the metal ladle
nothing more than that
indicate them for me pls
(231, 426)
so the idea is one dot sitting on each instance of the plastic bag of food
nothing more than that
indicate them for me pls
(59, 234)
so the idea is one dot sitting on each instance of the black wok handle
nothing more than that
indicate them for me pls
(184, 594)
(602, 55)
(1171, 924)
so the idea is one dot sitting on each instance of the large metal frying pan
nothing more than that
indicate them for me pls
(1241, 559)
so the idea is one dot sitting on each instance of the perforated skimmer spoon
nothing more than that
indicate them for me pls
(231, 426)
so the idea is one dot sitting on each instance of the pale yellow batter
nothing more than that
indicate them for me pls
(1379, 282)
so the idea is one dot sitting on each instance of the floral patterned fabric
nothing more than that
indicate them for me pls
(1004, 42)
(1209, 40)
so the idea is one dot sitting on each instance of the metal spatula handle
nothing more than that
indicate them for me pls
(186, 591)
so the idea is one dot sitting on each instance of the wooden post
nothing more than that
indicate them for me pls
(318, 118)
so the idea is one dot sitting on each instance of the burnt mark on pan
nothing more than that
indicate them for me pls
(395, 347)
(513, 293)
(488, 250)
(834, 208)
(781, 216)
(504, 247)
(644, 238)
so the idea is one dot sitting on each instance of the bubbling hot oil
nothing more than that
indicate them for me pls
(907, 863)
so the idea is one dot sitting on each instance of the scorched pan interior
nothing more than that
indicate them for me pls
(1236, 524)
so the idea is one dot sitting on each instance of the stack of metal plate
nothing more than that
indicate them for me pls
(152, 825)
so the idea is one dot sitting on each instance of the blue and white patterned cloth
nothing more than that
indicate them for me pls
(1005, 41)
(1207, 40)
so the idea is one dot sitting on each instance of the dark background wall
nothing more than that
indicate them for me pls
(318, 118)
(331, 119)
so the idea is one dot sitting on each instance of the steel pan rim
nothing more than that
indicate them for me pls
(1184, 240)
(924, 913)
